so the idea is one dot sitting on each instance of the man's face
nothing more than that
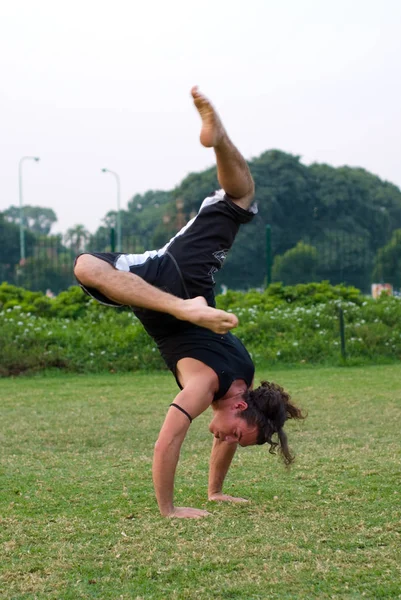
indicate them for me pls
(228, 426)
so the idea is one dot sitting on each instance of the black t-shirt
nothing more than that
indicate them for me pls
(225, 354)
(185, 268)
(200, 249)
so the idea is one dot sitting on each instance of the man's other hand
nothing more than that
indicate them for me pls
(219, 497)
(184, 512)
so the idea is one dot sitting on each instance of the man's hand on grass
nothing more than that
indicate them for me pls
(220, 497)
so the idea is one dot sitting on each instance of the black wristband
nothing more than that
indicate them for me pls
(182, 410)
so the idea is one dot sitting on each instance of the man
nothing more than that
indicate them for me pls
(171, 292)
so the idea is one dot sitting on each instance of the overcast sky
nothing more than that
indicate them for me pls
(89, 84)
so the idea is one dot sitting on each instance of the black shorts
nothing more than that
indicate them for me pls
(185, 266)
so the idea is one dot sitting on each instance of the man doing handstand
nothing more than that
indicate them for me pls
(171, 291)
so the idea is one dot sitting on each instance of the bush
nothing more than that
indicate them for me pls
(303, 294)
(113, 341)
(72, 303)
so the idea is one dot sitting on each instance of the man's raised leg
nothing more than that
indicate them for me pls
(130, 290)
(232, 170)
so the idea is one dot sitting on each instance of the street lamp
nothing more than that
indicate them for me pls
(21, 207)
(119, 249)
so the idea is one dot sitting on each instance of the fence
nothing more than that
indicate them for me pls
(338, 257)
(49, 263)
(264, 254)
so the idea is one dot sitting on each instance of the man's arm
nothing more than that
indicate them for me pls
(194, 398)
(220, 461)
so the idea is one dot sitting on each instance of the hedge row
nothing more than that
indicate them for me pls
(290, 325)
(74, 304)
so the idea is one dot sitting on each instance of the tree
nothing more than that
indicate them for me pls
(37, 219)
(297, 265)
(76, 238)
(387, 268)
(144, 224)
(346, 213)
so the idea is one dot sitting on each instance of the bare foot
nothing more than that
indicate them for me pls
(198, 312)
(212, 130)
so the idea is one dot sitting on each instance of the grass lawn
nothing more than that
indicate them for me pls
(78, 518)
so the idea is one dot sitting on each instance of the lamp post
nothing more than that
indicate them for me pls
(119, 249)
(21, 207)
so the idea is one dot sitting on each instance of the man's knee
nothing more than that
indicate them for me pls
(89, 270)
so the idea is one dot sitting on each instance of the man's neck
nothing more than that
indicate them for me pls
(236, 389)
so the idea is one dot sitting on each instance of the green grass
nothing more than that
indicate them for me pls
(79, 519)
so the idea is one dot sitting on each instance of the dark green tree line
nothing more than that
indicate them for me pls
(326, 223)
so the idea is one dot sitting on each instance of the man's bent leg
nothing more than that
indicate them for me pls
(232, 170)
(128, 289)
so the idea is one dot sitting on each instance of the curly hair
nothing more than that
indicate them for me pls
(269, 406)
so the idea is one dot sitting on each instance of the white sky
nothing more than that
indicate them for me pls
(86, 85)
